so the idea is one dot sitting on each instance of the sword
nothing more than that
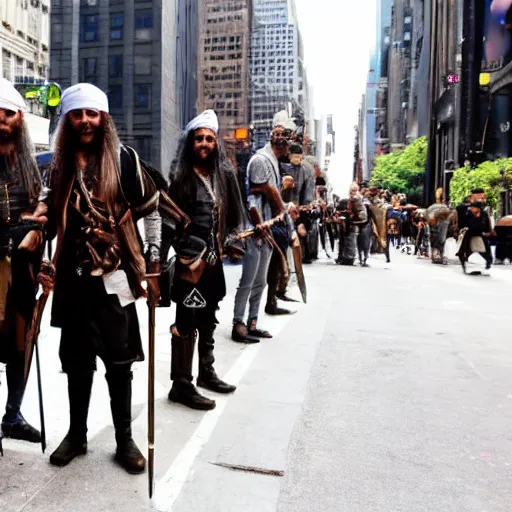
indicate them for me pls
(31, 344)
(297, 260)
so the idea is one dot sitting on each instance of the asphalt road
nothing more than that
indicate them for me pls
(390, 391)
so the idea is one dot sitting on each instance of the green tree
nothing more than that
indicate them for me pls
(491, 176)
(402, 172)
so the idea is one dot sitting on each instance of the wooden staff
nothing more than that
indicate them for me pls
(151, 390)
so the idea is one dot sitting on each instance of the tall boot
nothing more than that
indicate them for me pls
(119, 379)
(207, 377)
(75, 442)
(14, 425)
(183, 391)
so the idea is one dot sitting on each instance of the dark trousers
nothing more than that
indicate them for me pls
(15, 374)
(276, 278)
(188, 322)
(79, 348)
(364, 242)
(465, 249)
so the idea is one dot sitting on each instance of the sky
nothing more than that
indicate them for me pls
(337, 36)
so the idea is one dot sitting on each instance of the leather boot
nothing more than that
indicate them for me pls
(14, 425)
(183, 391)
(208, 377)
(75, 442)
(119, 379)
(240, 334)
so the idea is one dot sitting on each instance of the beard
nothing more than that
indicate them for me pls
(94, 145)
(9, 137)
(207, 161)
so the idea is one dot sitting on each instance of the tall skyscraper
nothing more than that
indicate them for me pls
(274, 64)
(118, 46)
(225, 32)
(371, 105)
(187, 46)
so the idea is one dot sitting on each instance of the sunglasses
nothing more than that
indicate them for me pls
(8, 113)
(208, 138)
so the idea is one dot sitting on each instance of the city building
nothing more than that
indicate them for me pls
(371, 126)
(399, 74)
(357, 174)
(445, 24)
(24, 42)
(117, 45)
(187, 47)
(275, 65)
(418, 119)
(225, 37)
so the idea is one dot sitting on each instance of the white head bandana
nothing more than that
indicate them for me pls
(10, 98)
(280, 119)
(84, 96)
(208, 119)
(290, 125)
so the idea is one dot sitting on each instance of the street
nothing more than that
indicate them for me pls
(391, 390)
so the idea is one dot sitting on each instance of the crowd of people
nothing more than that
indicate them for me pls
(90, 201)
(374, 220)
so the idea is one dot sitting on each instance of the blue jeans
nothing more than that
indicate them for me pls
(253, 280)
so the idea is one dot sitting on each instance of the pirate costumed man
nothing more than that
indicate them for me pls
(475, 224)
(204, 185)
(98, 191)
(286, 230)
(265, 203)
(312, 168)
(20, 252)
(355, 214)
(301, 193)
(364, 237)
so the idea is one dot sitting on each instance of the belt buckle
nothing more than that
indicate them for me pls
(211, 259)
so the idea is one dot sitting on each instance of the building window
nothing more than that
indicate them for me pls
(115, 66)
(90, 27)
(89, 68)
(115, 96)
(116, 27)
(6, 64)
(143, 147)
(56, 33)
(142, 96)
(142, 64)
(143, 25)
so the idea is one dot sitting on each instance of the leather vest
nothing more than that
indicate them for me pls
(14, 201)
(99, 250)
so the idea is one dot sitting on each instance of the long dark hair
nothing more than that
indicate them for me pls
(106, 160)
(183, 184)
(26, 165)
